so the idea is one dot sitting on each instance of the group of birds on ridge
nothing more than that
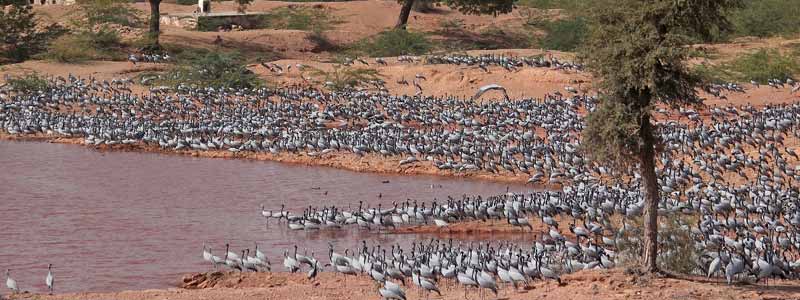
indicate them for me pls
(155, 58)
(718, 89)
(49, 281)
(484, 61)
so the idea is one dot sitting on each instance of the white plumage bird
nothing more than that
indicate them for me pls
(230, 255)
(490, 87)
(571, 89)
(391, 295)
(49, 280)
(10, 282)
(207, 256)
(290, 263)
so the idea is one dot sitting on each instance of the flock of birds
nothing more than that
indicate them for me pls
(738, 233)
(509, 63)
(429, 265)
(135, 58)
(536, 138)
(733, 169)
(718, 90)
(484, 62)
(450, 133)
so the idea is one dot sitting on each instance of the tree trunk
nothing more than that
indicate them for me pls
(155, 20)
(405, 12)
(651, 195)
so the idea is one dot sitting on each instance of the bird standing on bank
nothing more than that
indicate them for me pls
(11, 283)
(49, 280)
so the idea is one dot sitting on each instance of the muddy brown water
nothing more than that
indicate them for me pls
(111, 221)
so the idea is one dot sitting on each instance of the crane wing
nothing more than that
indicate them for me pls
(489, 87)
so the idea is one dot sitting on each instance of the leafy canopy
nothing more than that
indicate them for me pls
(637, 50)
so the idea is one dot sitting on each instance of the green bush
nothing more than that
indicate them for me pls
(103, 44)
(213, 24)
(299, 18)
(677, 251)
(294, 18)
(289, 17)
(104, 39)
(29, 83)
(712, 73)
(763, 18)
(70, 49)
(186, 2)
(214, 69)
(184, 53)
(565, 34)
(763, 65)
(394, 43)
(20, 38)
(343, 78)
(98, 12)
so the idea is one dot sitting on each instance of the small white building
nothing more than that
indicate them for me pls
(203, 6)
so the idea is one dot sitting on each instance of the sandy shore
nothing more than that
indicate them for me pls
(595, 284)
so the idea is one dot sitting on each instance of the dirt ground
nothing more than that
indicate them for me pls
(594, 284)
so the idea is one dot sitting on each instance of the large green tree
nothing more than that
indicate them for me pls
(637, 51)
(474, 7)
